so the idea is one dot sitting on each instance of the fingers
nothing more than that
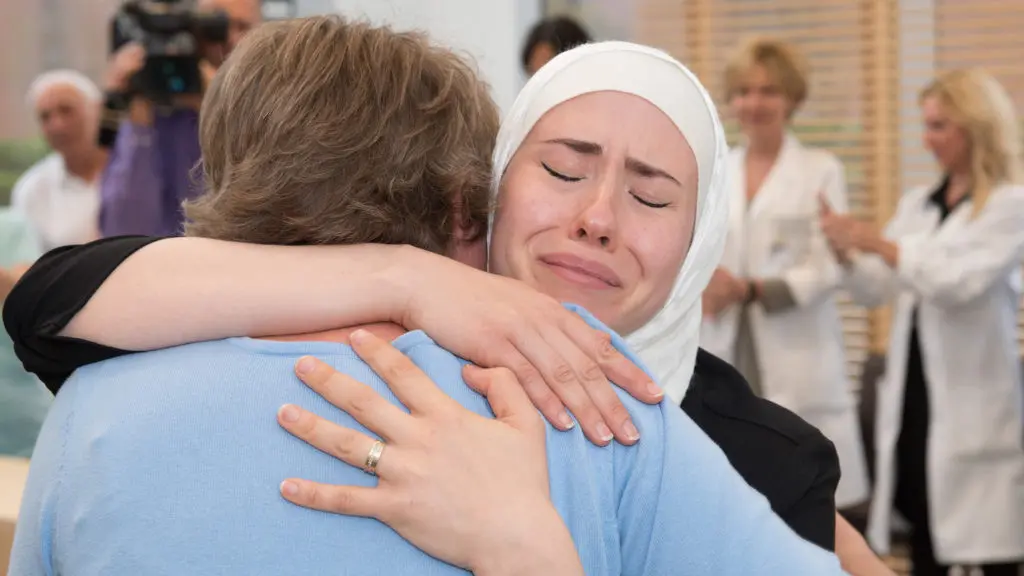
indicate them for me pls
(619, 369)
(824, 208)
(561, 378)
(357, 399)
(345, 444)
(600, 391)
(412, 387)
(506, 396)
(348, 500)
(536, 388)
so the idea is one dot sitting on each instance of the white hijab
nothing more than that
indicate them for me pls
(668, 342)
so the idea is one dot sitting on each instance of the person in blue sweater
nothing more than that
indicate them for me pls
(160, 462)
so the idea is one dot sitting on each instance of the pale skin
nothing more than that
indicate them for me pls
(763, 110)
(69, 122)
(950, 145)
(554, 355)
(445, 484)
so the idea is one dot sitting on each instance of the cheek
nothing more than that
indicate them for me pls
(662, 250)
(525, 208)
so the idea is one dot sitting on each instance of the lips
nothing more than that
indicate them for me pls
(582, 271)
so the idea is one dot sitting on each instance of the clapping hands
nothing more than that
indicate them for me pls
(844, 233)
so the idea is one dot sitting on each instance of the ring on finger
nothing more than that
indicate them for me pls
(373, 458)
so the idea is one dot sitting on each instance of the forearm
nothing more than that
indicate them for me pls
(854, 554)
(131, 186)
(184, 290)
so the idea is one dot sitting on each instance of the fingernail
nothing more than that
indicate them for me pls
(305, 365)
(566, 421)
(632, 434)
(289, 488)
(359, 336)
(604, 433)
(655, 390)
(289, 413)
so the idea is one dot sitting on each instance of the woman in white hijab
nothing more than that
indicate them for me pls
(638, 246)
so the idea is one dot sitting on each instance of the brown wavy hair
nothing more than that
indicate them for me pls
(324, 131)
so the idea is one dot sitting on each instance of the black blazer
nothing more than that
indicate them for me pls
(779, 454)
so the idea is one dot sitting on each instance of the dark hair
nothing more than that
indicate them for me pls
(323, 131)
(561, 32)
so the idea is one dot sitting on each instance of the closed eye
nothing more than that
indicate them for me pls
(559, 175)
(649, 203)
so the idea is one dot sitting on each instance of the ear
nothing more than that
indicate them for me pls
(464, 230)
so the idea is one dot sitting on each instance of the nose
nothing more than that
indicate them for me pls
(596, 223)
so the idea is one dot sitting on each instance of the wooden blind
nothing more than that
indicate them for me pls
(950, 34)
(851, 107)
(869, 60)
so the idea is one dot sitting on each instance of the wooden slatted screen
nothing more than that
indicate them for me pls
(954, 34)
(850, 107)
(869, 59)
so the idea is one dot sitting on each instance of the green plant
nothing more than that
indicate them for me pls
(17, 156)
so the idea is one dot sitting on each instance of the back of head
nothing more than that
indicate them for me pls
(324, 131)
(979, 104)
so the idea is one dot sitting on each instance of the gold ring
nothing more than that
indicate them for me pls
(373, 458)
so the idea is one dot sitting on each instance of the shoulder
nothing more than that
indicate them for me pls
(13, 223)
(717, 387)
(35, 177)
(19, 243)
(775, 450)
(1008, 196)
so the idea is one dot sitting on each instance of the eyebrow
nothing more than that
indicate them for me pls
(642, 169)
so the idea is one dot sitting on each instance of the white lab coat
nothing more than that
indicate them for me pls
(964, 279)
(800, 351)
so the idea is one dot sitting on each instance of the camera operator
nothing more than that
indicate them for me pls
(157, 146)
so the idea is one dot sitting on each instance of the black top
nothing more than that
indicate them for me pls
(786, 459)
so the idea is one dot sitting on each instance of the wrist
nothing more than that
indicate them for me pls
(751, 292)
(543, 546)
(404, 265)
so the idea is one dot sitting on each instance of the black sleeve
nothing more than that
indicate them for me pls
(813, 513)
(779, 454)
(49, 295)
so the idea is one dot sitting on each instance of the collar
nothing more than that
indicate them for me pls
(938, 197)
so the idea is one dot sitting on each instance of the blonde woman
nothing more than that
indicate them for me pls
(770, 308)
(949, 425)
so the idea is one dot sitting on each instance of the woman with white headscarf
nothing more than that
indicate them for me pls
(651, 230)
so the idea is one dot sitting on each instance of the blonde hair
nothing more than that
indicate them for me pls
(978, 103)
(783, 62)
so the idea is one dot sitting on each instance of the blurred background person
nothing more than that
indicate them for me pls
(59, 195)
(770, 308)
(549, 38)
(23, 399)
(151, 166)
(949, 431)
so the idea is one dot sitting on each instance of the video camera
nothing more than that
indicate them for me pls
(172, 32)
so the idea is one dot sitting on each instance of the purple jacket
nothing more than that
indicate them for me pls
(152, 170)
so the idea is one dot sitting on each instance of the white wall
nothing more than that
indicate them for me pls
(491, 31)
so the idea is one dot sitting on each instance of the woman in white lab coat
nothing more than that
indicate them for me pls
(770, 309)
(949, 416)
